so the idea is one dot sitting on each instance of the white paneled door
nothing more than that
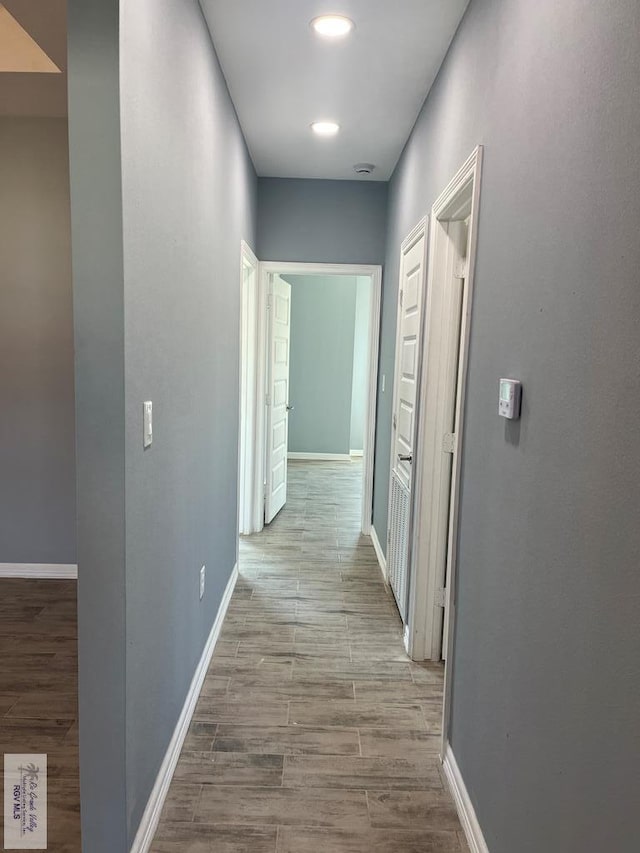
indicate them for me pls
(279, 326)
(405, 399)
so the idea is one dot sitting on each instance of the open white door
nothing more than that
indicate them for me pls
(405, 399)
(279, 327)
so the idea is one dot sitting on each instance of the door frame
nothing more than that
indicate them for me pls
(267, 268)
(249, 463)
(435, 533)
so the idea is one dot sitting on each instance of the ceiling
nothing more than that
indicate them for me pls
(282, 76)
(38, 94)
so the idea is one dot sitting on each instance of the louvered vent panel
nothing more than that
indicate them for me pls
(399, 543)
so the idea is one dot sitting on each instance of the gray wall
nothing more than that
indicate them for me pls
(546, 691)
(323, 314)
(98, 302)
(184, 189)
(37, 449)
(360, 356)
(316, 221)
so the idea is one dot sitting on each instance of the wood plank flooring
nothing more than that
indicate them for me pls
(314, 732)
(39, 692)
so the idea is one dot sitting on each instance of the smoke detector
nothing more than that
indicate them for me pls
(363, 168)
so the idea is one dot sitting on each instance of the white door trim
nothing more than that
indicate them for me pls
(430, 542)
(435, 533)
(267, 268)
(249, 474)
(472, 170)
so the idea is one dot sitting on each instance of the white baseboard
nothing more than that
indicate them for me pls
(49, 571)
(466, 812)
(356, 453)
(382, 560)
(151, 816)
(320, 457)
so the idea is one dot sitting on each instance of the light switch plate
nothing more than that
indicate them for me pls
(147, 421)
(203, 571)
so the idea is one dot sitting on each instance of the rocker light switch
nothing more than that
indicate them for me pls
(147, 419)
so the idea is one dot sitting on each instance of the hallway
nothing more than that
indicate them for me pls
(313, 732)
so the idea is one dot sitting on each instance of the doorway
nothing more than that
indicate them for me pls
(429, 388)
(39, 698)
(333, 417)
(452, 248)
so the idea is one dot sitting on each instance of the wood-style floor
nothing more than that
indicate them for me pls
(314, 732)
(39, 692)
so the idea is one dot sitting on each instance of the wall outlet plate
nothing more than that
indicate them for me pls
(203, 572)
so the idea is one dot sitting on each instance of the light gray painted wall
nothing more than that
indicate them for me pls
(37, 424)
(160, 256)
(323, 314)
(360, 354)
(318, 221)
(546, 691)
(98, 302)
(189, 200)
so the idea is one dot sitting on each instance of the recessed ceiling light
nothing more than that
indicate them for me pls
(325, 128)
(332, 26)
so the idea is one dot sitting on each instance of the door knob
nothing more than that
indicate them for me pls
(290, 408)
(405, 457)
